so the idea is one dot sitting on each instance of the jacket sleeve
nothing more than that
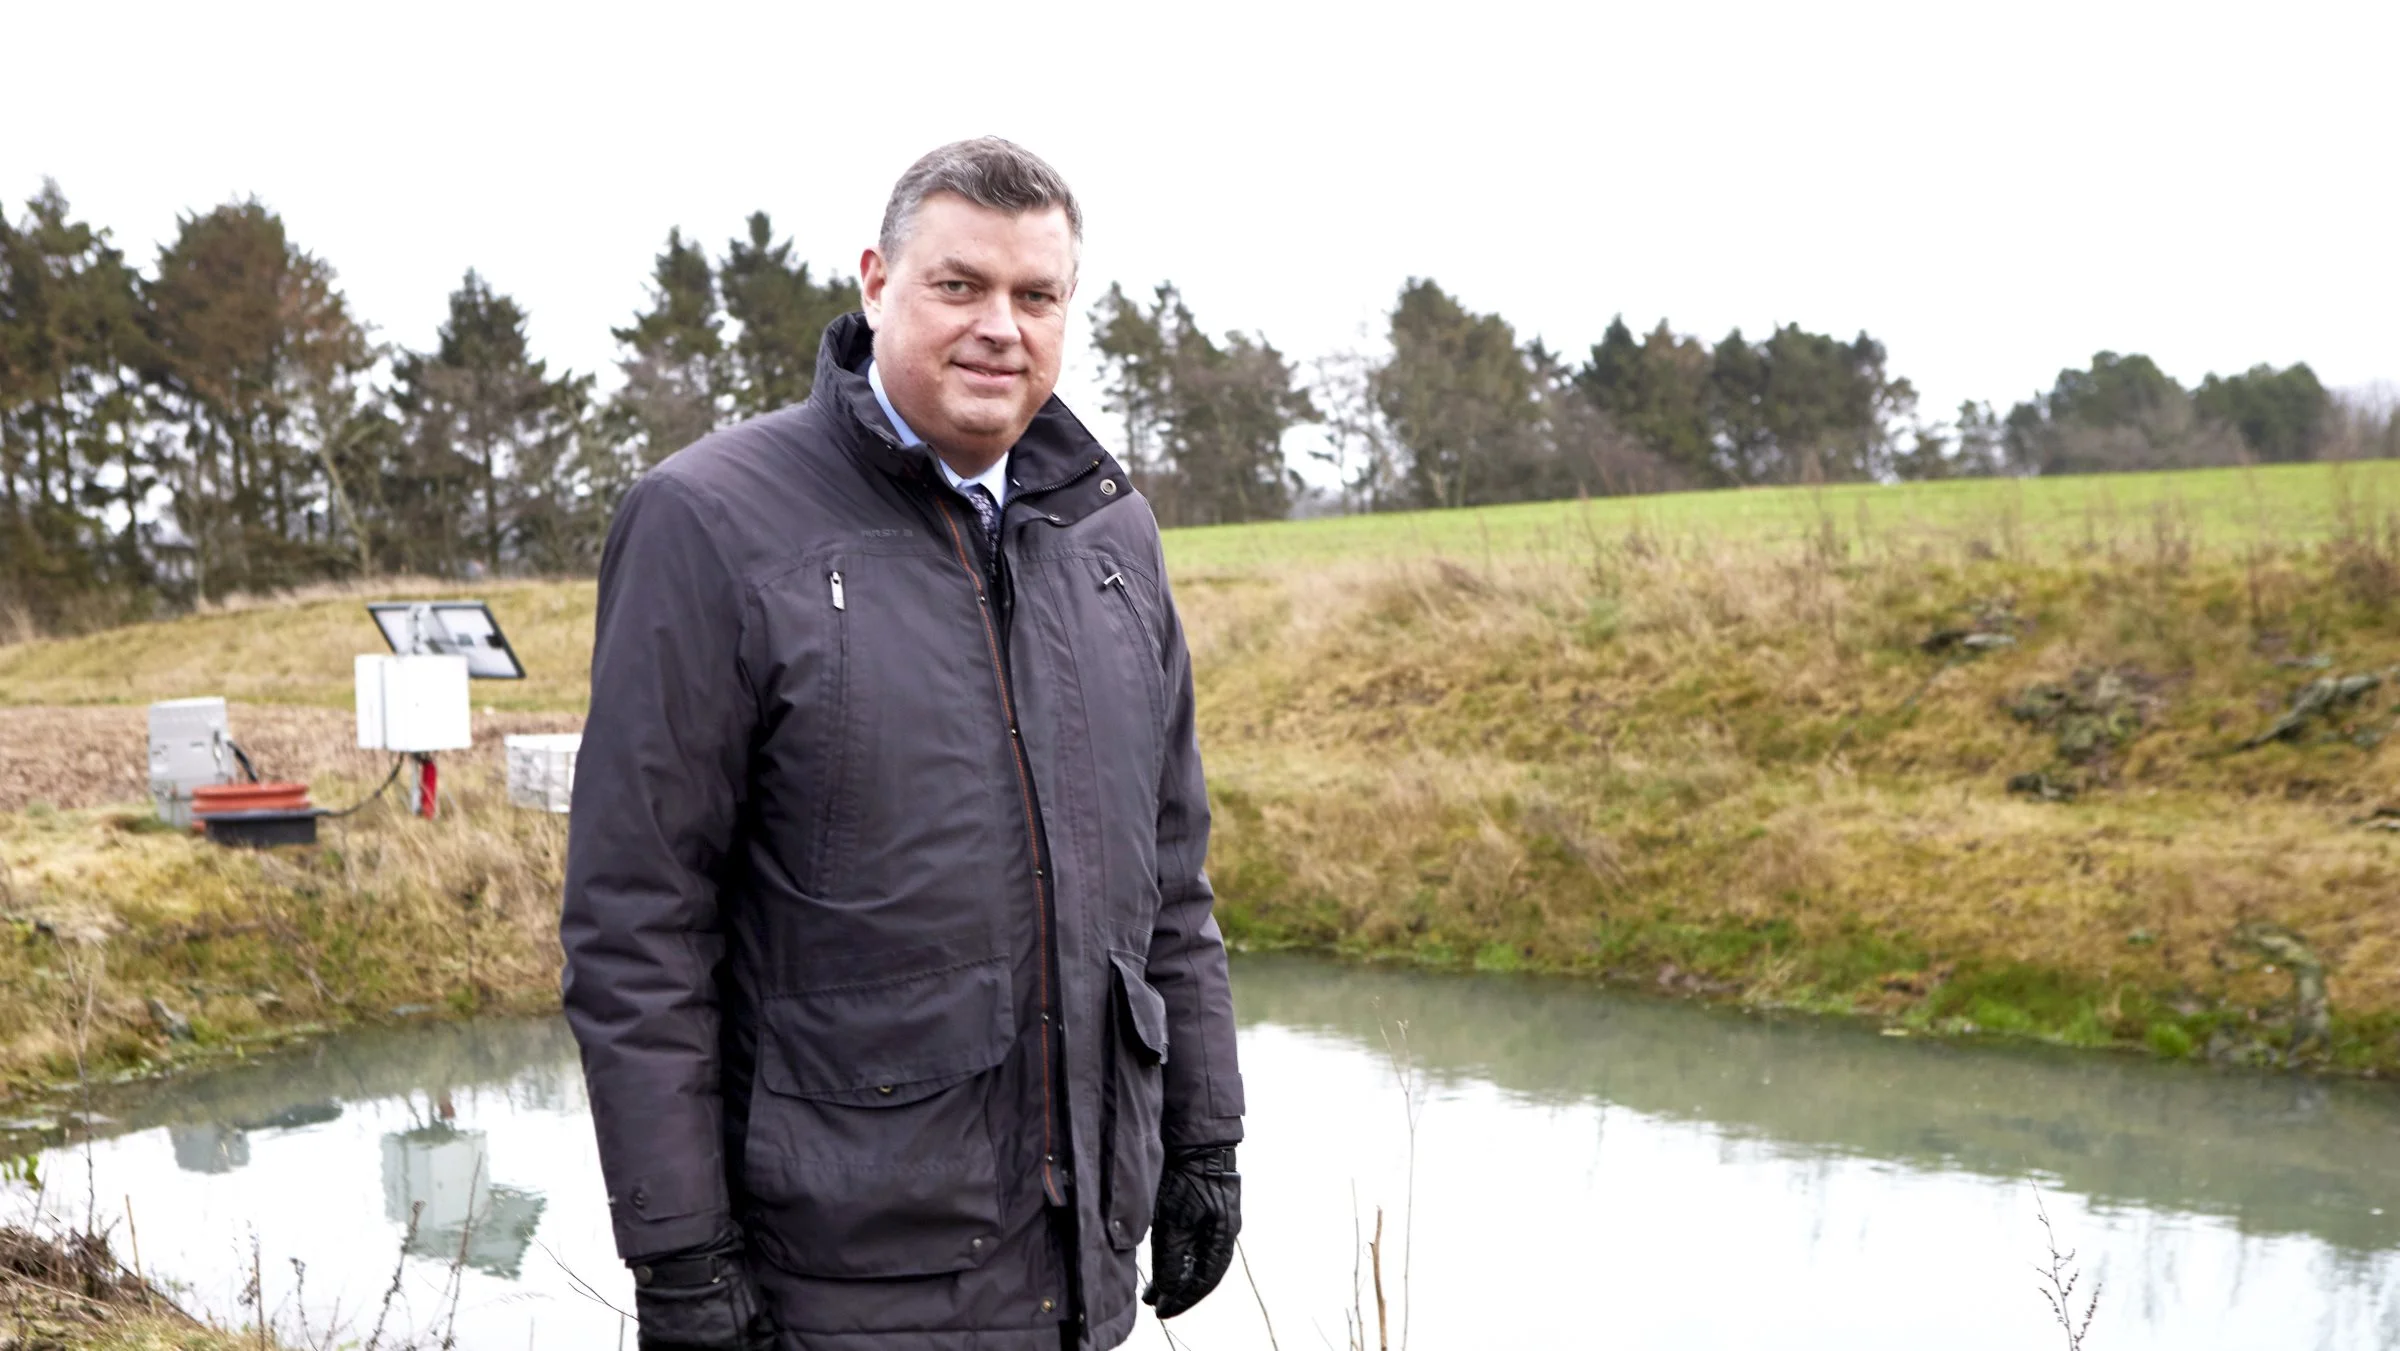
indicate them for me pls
(1187, 953)
(657, 787)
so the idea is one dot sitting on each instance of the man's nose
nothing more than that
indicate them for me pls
(996, 320)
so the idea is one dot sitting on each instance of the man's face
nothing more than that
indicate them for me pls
(969, 322)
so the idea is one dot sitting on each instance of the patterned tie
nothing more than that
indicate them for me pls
(987, 516)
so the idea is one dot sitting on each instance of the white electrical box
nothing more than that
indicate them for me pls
(188, 750)
(413, 704)
(541, 769)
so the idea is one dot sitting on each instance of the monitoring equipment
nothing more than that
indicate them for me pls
(193, 768)
(413, 704)
(414, 700)
(189, 748)
(541, 769)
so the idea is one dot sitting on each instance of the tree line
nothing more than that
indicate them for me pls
(221, 421)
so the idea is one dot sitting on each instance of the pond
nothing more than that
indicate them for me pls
(1590, 1169)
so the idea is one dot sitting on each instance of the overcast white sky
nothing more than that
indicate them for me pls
(1995, 190)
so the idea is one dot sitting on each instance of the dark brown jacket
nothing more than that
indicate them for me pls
(887, 936)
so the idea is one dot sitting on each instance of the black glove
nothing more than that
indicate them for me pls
(700, 1299)
(1191, 1236)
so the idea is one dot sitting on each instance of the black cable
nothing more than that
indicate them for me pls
(397, 762)
(244, 759)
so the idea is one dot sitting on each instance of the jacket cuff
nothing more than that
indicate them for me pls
(665, 1211)
(727, 1241)
(1201, 1132)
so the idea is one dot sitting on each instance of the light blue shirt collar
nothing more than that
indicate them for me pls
(994, 479)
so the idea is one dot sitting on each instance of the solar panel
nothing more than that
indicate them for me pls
(464, 628)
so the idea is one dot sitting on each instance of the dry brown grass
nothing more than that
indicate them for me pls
(1734, 768)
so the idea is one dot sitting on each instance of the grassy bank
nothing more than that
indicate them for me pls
(140, 947)
(1752, 746)
(1727, 772)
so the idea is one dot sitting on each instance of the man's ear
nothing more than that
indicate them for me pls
(872, 276)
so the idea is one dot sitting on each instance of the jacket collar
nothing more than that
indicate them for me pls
(1057, 459)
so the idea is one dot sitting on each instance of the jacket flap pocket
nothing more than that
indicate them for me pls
(888, 1042)
(1145, 1007)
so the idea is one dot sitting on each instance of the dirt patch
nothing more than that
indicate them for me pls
(79, 757)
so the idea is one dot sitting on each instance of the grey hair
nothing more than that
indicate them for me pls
(992, 173)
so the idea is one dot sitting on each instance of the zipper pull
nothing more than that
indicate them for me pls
(836, 578)
(1115, 579)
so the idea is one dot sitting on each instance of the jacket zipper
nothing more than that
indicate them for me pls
(1115, 581)
(828, 814)
(1033, 840)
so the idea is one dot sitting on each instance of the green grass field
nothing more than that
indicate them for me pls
(2211, 508)
(1695, 743)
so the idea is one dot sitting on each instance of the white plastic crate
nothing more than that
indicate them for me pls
(541, 769)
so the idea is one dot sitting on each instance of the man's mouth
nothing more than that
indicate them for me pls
(978, 373)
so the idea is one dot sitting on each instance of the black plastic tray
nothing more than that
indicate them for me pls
(262, 830)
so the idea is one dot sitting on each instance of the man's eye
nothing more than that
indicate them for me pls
(1038, 299)
(954, 287)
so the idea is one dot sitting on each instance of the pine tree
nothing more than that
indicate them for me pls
(1204, 421)
(1655, 390)
(487, 429)
(1460, 394)
(674, 362)
(780, 314)
(2122, 413)
(1132, 344)
(2282, 415)
(73, 473)
(248, 332)
(1233, 404)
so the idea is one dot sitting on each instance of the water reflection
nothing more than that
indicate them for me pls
(437, 1185)
(1580, 1152)
(458, 1136)
(209, 1147)
(221, 1147)
(2276, 1153)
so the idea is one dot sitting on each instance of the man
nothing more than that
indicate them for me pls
(888, 946)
